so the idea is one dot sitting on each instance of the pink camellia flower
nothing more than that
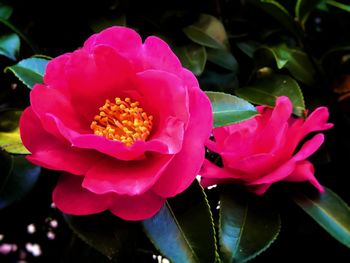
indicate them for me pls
(263, 150)
(124, 120)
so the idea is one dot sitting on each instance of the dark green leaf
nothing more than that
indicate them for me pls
(223, 59)
(341, 6)
(30, 71)
(303, 8)
(248, 47)
(183, 229)
(6, 167)
(193, 57)
(9, 46)
(229, 109)
(211, 80)
(266, 89)
(5, 11)
(296, 61)
(281, 14)
(19, 183)
(10, 139)
(104, 232)
(329, 211)
(208, 31)
(248, 225)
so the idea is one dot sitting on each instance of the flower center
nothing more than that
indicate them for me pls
(122, 121)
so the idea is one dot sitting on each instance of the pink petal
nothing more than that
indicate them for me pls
(304, 171)
(46, 100)
(96, 76)
(137, 207)
(156, 54)
(50, 152)
(259, 189)
(309, 147)
(123, 40)
(71, 198)
(130, 178)
(317, 121)
(186, 164)
(210, 170)
(54, 71)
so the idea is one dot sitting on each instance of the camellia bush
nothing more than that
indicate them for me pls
(181, 131)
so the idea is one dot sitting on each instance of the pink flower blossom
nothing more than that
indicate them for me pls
(263, 150)
(124, 120)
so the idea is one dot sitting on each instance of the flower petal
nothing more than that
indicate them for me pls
(137, 207)
(71, 198)
(54, 71)
(96, 76)
(304, 171)
(48, 151)
(130, 178)
(210, 170)
(187, 163)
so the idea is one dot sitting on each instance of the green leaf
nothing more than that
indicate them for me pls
(266, 89)
(193, 57)
(281, 14)
(208, 31)
(10, 139)
(9, 46)
(104, 232)
(229, 109)
(183, 229)
(329, 211)
(223, 59)
(30, 71)
(296, 61)
(341, 6)
(211, 80)
(20, 182)
(6, 167)
(303, 8)
(248, 47)
(5, 11)
(247, 226)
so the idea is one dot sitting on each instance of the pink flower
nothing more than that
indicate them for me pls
(263, 150)
(124, 120)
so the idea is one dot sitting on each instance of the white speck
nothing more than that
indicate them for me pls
(34, 249)
(1, 237)
(13, 86)
(51, 235)
(31, 229)
(165, 260)
(159, 258)
(212, 186)
(154, 256)
(198, 177)
(53, 223)
(218, 206)
(53, 205)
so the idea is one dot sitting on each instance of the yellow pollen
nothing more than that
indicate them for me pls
(122, 120)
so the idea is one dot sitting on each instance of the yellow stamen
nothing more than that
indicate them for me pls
(122, 121)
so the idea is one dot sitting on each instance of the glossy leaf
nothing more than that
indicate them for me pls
(208, 31)
(30, 71)
(266, 89)
(10, 139)
(223, 59)
(303, 8)
(183, 229)
(296, 61)
(229, 109)
(104, 232)
(5, 11)
(9, 46)
(247, 227)
(20, 182)
(248, 47)
(280, 13)
(193, 57)
(329, 211)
